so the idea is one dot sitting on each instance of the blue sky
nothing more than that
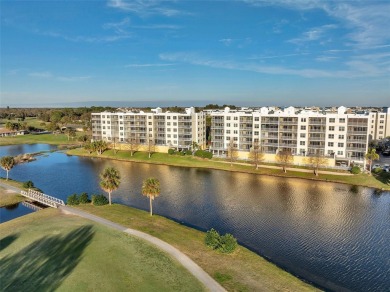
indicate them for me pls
(250, 52)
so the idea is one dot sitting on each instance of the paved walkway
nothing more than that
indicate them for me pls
(11, 188)
(190, 265)
(290, 168)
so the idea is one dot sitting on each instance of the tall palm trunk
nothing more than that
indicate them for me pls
(7, 174)
(151, 206)
(109, 197)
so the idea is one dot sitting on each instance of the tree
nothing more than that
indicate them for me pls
(7, 162)
(371, 156)
(151, 189)
(132, 145)
(110, 180)
(317, 160)
(99, 146)
(151, 147)
(256, 155)
(285, 158)
(232, 152)
(70, 132)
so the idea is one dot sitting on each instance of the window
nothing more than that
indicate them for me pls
(175, 136)
(382, 116)
(342, 129)
(303, 120)
(303, 135)
(227, 131)
(381, 122)
(380, 132)
(330, 144)
(150, 129)
(332, 120)
(256, 126)
(303, 127)
(228, 125)
(331, 136)
(174, 123)
(330, 152)
(150, 123)
(236, 118)
(380, 127)
(169, 135)
(168, 123)
(235, 125)
(340, 145)
(342, 120)
(228, 118)
(227, 138)
(235, 139)
(340, 153)
(121, 128)
(175, 130)
(302, 143)
(149, 117)
(169, 129)
(341, 136)
(256, 133)
(168, 117)
(331, 128)
(175, 117)
(256, 119)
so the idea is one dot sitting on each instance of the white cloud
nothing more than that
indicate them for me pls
(148, 65)
(145, 8)
(86, 39)
(353, 68)
(227, 42)
(118, 27)
(44, 74)
(313, 34)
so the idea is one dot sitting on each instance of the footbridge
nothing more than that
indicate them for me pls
(43, 199)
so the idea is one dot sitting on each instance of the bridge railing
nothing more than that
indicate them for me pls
(43, 198)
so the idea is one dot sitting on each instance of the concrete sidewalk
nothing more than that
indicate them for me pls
(190, 265)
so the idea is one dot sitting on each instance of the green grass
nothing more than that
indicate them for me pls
(9, 198)
(31, 121)
(381, 181)
(242, 270)
(47, 251)
(59, 139)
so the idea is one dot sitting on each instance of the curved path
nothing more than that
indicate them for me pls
(189, 264)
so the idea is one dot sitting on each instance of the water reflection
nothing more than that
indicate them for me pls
(333, 234)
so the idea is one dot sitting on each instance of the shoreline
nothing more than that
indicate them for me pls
(261, 171)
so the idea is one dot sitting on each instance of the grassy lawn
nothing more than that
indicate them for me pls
(31, 121)
(9, 198)
(241, 271)
(59, 139)
(381, 181)
(47, 251)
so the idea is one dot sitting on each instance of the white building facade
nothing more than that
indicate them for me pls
(339, 135)
(176, 130)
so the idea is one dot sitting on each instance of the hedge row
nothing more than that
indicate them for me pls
(224, 243)
(97, 200)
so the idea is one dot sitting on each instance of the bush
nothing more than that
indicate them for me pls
(228, 243)
(83, 199)
(377, 170)
(171, 151)
(28, 184)
(203, 154)
(355, 170)
(72, 200)
(188, 152)
(212, 239)
(99, 200)
(180, 153)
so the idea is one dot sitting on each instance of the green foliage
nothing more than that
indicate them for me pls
(83, 199)
(171, 151)
(355, 170)
(181, 153)
(203, 154)
(99, 200)
(222, 277)
(377, 170)
(212, 239)
(226, 243)
(28, 184)
(72, 200)
(189, 152)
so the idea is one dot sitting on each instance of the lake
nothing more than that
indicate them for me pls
(336, 236)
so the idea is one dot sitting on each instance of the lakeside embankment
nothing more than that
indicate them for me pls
(241, 271)
(379, 181)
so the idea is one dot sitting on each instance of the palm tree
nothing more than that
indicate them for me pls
(151, 189)
(7, 162)
(371, 155)
(110, 181)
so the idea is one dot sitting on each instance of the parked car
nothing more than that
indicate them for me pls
(376, 166)
(386, 167)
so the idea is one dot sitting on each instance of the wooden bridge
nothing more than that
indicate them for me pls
(42, 198)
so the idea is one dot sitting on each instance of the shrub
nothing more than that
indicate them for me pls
(72, 200)
(203, 154)
(212, 239)
(355, 170)
(171, 151)
(83, 199)
(188, 152)
(99, 200)
(228, 243)
(377, 170)
(181, 153)
(28, 184)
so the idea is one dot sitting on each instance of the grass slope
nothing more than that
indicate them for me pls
(381, 181)
(9, 198)
(59, 139)
(47, 251)
(241, 271)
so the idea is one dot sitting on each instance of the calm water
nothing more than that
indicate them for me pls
(14, 150)
(13, 211)
(334, 235)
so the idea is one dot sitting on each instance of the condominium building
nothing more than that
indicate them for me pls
(337, 135)
(176, 130)
(380, 124)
